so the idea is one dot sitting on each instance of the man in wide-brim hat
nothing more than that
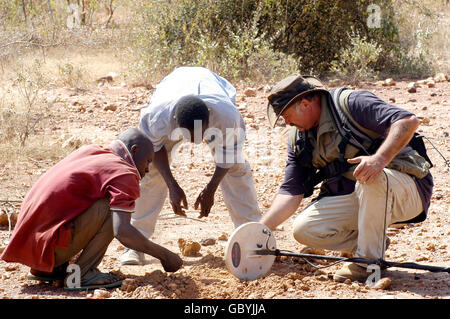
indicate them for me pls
(364, 188)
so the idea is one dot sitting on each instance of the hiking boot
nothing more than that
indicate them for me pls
(132, 257)
(351, 271)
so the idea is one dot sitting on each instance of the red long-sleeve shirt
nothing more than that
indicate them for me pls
(64, 192)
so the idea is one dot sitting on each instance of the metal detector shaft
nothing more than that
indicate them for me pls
(380, 262)
(414, 266)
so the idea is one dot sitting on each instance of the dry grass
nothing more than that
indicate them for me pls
(90, 54)
(424, 29)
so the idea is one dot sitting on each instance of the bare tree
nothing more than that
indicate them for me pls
(109, 8)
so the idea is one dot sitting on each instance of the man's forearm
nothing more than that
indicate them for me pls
(283, 207)
(130, 237)
(399, 135)
(219, 174)
(161, 163)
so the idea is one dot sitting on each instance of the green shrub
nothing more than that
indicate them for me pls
(224, 36)
(358, 60)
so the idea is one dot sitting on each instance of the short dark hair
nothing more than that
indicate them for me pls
(190, 108)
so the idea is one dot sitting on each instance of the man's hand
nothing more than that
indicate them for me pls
(205, 200)
(171, 262)
(369, 168)
(130, 237)
(398, 136)
(178, 200)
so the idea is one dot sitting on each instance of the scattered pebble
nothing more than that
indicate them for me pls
(188, 247)
(382, 284)
(101, 294)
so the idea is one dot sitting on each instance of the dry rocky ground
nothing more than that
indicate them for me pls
(99, 114)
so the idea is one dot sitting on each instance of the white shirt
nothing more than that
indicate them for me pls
(225, 122)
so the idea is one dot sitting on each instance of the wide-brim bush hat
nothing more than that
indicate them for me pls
(289, 90)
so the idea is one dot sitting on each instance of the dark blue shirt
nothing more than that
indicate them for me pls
(372, 113)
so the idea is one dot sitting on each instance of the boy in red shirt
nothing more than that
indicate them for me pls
(81, 204)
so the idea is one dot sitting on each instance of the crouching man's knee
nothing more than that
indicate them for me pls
(301, 230)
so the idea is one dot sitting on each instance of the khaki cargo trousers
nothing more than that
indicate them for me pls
(92, 232)
(356, 223)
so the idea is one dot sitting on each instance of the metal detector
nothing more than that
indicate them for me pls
(251, 251)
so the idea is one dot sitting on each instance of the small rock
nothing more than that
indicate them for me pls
(223, 237)
(172, 286)
(251, 92)
(80, 109)
(11, 267)
(208, 242)
(270, 295)
(101, 294)
(420, 82)
(110, 107)
(242, 107)
(440, 77)
(424, 120)
(188, 247)
(304, 287)
(128, 285)
(312, 251)
(4, 222)
(319, 272)
(389, 82)
(412, 87)
(383, 283)
(431, 84)
(392, 100)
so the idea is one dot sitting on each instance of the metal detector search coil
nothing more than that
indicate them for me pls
(241, 257)
(251, 252)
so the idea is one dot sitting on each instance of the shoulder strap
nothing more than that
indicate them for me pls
(350, 130)
(343, 104)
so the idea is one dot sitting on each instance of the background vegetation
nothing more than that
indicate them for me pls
(242, 39)
(70, 43)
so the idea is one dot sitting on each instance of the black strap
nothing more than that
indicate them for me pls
(350, 133)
